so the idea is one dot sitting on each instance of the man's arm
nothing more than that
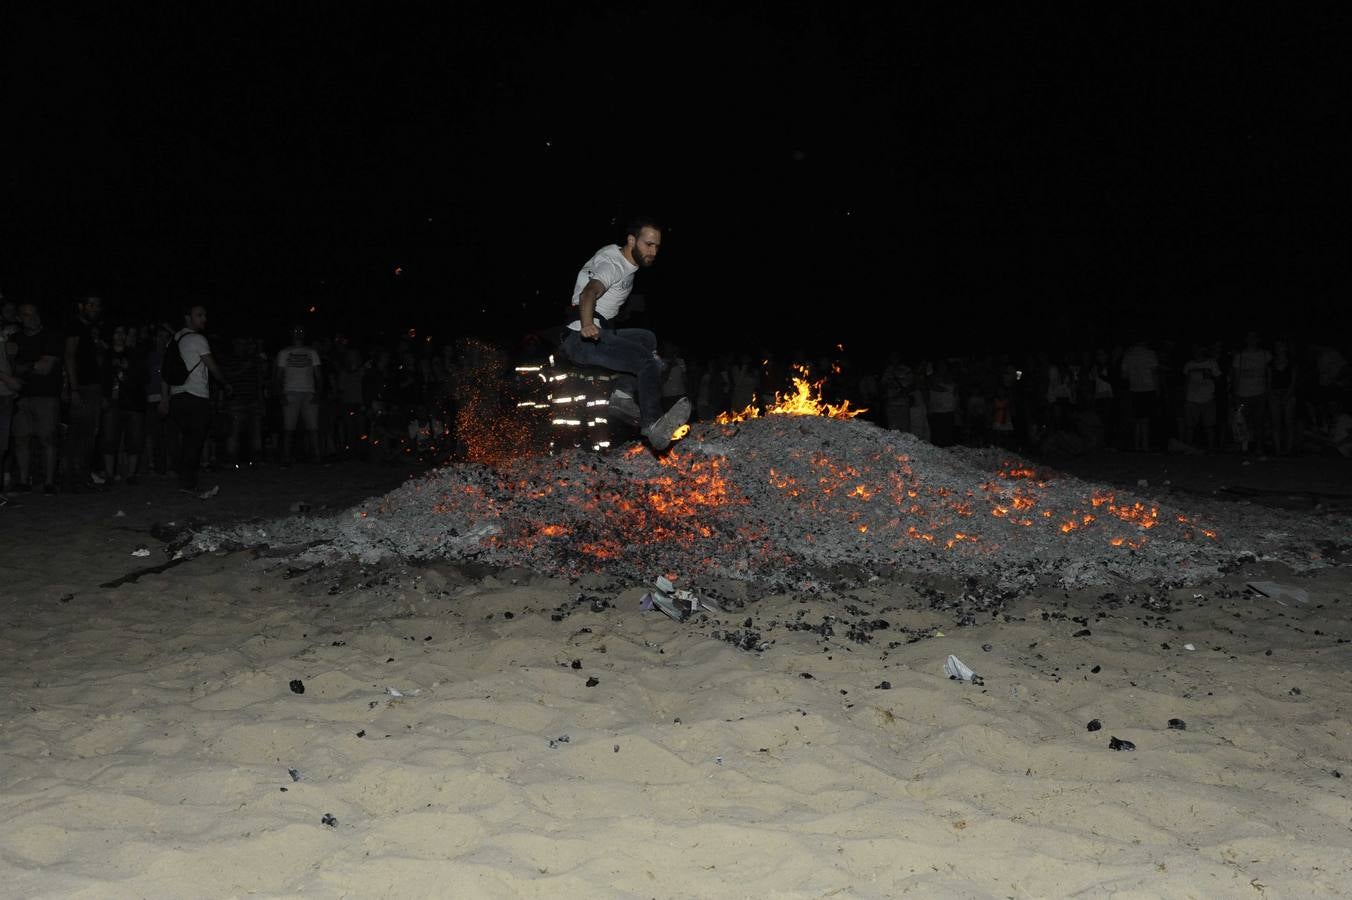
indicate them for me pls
(586, 308)
(215, 369)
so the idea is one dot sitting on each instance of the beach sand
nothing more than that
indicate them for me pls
(149, 730)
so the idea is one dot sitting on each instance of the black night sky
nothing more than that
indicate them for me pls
(952, 177)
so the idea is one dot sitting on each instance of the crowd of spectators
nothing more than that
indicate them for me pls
(81, 410)
(1258, 397)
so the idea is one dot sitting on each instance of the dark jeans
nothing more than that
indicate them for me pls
(81, 432)
(629, 350)
(159, 432)
(192, 415)
(123, 428)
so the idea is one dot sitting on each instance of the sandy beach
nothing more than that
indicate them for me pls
(237, 725)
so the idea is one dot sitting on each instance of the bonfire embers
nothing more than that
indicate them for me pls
(781, 499)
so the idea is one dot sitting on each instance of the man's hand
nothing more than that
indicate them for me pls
(164, 405)
(590, 331)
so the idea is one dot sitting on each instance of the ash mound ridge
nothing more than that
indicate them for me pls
(780, 499)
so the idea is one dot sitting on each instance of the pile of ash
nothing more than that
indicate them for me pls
(780, 500)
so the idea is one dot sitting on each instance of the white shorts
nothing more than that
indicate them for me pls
(298, 405)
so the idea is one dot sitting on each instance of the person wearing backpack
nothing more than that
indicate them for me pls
(186, 371)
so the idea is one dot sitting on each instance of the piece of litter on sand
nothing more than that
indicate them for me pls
(659, 601)
(1189, 647)
(1275, 591)
(297, 686)
(718, 760)
(1119, 744)
(140, 551)
(395, 692)
(1178, 725)
(295, 774)
(212, 492)
(958, 671)
(561, 739)
(664, 585)
(329, 820)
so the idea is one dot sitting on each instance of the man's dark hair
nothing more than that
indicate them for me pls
(187, 306)
(638, 223)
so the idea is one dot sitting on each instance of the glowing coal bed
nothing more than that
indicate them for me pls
(786, 501)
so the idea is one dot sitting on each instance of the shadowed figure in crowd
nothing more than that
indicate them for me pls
(37, 363)
(601, 288)
(189, 404)
(298, 384)
(84, 380)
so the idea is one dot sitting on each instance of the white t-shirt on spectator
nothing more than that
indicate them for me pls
(1201, 375)
(1251, 367)
(299, 366)
(193, 347)
(1138, 365)
(610, 268)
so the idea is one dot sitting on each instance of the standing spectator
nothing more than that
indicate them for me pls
(1104, 403)
(745, 382)
(351, 402)
(9, 389)
(943, 405)
(298, 382)
(1141, 370)
(189, 404)
(897, 383)
(673, 383)
(1199, 397)
(158, 450)
(1332, 373)
(84, 376)
(1283, 397)
(1252, 379)
(870, 393)
(245, 370)
(38, 364)
(125, 373)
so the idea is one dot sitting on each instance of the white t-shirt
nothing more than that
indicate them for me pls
(299, 367)
(193, 347)
(1201, 375)
(1139, 365)
(610, 268)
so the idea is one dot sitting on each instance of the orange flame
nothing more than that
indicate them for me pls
(806, 400)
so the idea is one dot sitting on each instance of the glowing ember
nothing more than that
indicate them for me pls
(778, 502)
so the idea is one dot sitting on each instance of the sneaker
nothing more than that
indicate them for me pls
(624, 406)
(96, 478)
(659, 433)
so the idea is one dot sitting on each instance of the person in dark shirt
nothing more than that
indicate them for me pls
(38, 365)
(125, 375)
(245, 367)
(84, 374)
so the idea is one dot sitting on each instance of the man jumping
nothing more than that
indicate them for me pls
(602, 287)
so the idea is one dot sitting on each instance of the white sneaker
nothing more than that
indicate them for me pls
(659, 433)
